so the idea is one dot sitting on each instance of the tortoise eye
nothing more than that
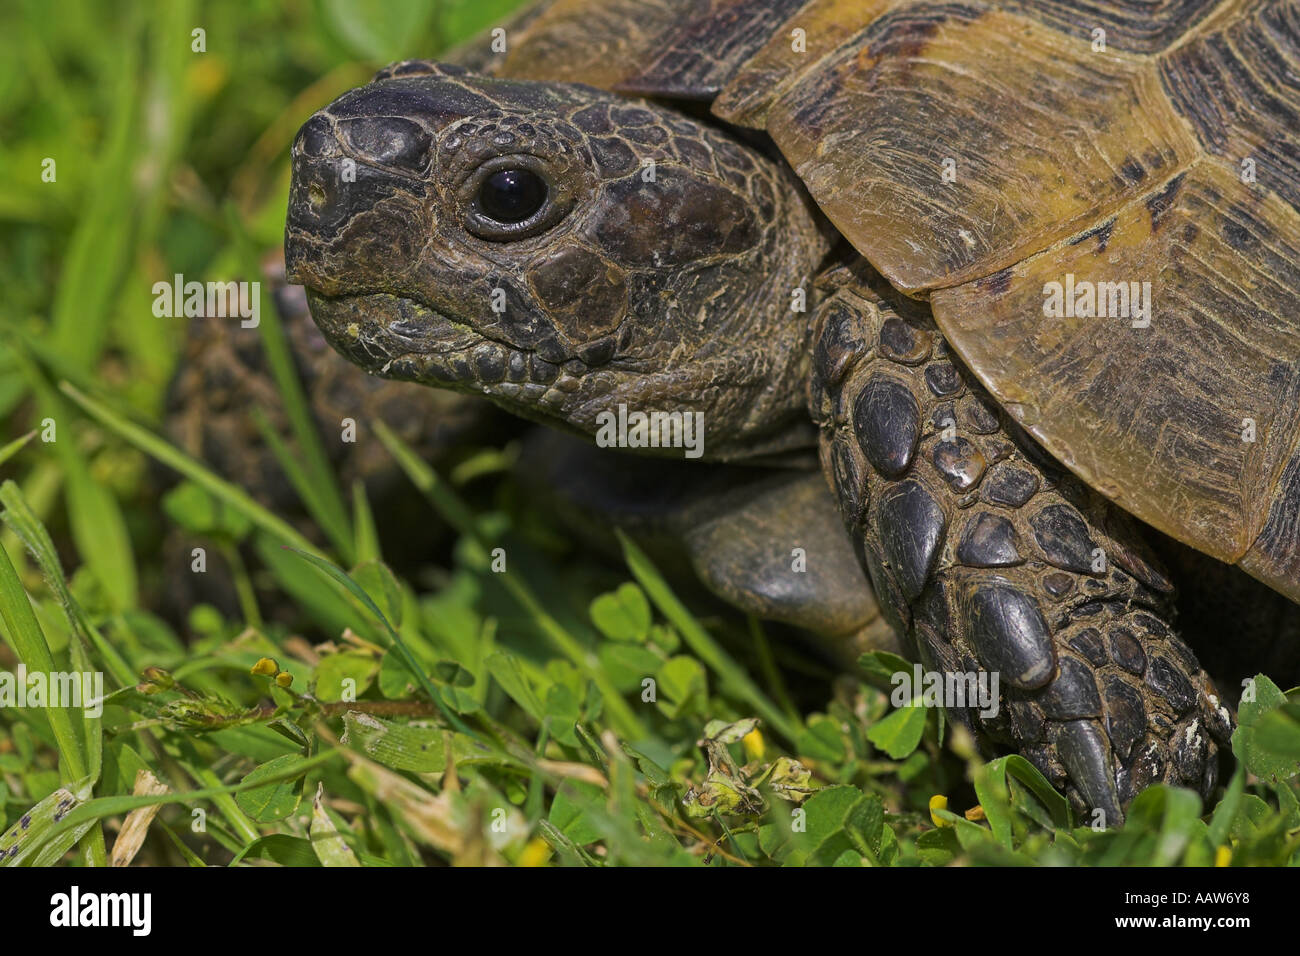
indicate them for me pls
(515, 197)
(511, 196)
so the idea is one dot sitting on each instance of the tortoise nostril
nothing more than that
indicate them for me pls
(315, 196)
(388, 141)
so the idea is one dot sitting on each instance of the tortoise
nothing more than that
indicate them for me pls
(1022, 272)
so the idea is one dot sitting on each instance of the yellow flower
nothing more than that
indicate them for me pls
(1222, 855)
(266, 667)
(938, 802)
(536, 853)
(284, 678)
(753, 744)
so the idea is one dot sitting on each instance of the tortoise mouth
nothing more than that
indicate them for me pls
(402, 338)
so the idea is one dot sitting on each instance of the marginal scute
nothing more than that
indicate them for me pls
(1274, 556)
(824, 24)
(1150, 411)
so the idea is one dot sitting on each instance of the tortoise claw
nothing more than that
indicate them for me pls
(1086, 753)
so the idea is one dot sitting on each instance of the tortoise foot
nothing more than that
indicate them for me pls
(1126, 705)
(996, 563)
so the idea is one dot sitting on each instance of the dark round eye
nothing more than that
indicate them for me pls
(509, 196)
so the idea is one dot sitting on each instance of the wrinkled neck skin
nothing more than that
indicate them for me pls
(658, 276)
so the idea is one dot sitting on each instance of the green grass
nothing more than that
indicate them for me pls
(447, 713)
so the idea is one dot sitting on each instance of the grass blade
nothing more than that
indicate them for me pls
(28, 642)
(15, 446)
(365, 547)
(20, 519)
(94, 514)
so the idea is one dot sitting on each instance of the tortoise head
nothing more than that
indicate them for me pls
(559, 249)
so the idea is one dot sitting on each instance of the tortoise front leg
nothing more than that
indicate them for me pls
(765, 540)
(992, 559)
